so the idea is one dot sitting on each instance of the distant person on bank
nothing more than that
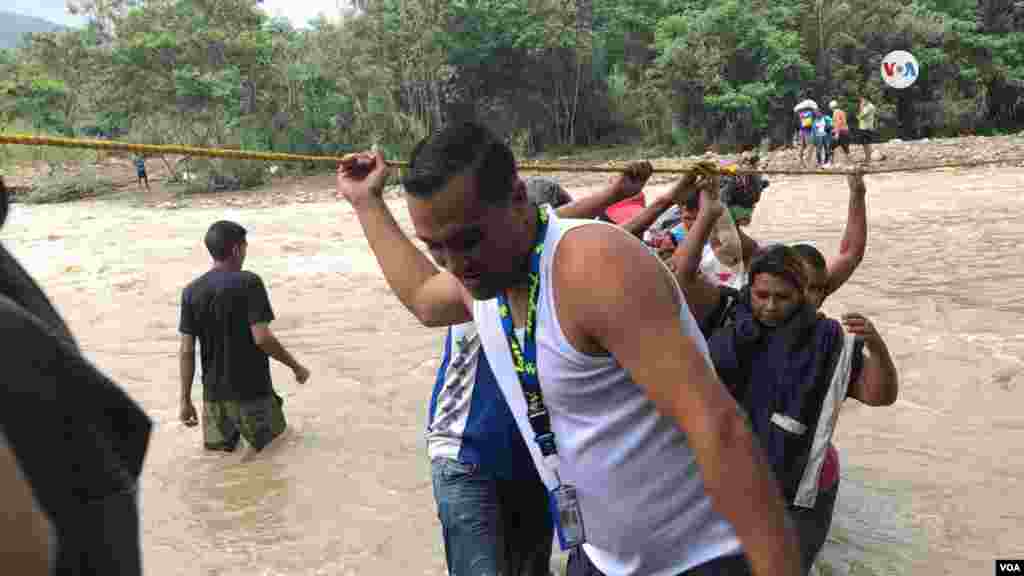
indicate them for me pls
(140, 172)
(841, 137)
(867, 122)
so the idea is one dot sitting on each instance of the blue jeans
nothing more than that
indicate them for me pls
(824, 145)
(492, 527)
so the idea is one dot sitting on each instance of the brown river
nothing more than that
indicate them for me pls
(933, 484)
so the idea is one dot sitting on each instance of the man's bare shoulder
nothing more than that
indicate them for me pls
(594, 237)
(602, 263)
(605, 247)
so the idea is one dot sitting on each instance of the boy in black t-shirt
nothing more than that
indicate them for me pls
(228, 311)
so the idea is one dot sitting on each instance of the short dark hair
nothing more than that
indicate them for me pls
(781, 260)
(541, 190)
(5, 202)
(454, 148)
(222, 237)
(812, 256)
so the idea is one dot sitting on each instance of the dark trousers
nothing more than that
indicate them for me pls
(812, 525)
(842, 140)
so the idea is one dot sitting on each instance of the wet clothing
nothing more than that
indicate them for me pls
(639, 487)
(491, 525)
(724, 312)
(219, 309)
(812, 525)
(77, 437)
(469, 420)
(226, 421)
(491, 503)
(792, 381)
(829, 469)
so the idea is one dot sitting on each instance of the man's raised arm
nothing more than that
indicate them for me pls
(633, 313)
(701, 295)
(626, 185)
(434, 296)
(855, 237)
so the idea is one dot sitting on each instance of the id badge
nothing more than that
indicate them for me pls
(567, 516)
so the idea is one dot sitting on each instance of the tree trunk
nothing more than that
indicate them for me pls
(995, 16)
(821, 64)
(584, 54)
(575, 100)
(170, 170)
(435, 112)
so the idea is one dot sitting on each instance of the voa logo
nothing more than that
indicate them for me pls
(1009, 567)
(899, 69)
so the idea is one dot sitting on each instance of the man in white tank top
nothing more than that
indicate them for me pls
(649, 461)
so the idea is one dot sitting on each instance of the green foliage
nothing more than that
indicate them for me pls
(730, 67)
(65, 186)
(546, 74)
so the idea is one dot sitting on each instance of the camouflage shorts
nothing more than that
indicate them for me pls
(226, 421)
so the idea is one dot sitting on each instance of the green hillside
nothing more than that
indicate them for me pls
(14, 26)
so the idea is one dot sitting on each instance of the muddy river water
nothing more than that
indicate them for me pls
(933, 484)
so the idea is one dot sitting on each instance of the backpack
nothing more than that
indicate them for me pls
(740, 189)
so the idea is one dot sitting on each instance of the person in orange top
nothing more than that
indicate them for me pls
(842, 130)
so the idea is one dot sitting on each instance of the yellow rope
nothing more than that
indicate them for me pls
(157, 149)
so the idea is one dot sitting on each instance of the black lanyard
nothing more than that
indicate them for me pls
(525, 358)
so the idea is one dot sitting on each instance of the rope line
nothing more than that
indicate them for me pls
(159, 149)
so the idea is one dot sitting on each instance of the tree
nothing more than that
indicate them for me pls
(105, 14)
(540, 72)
